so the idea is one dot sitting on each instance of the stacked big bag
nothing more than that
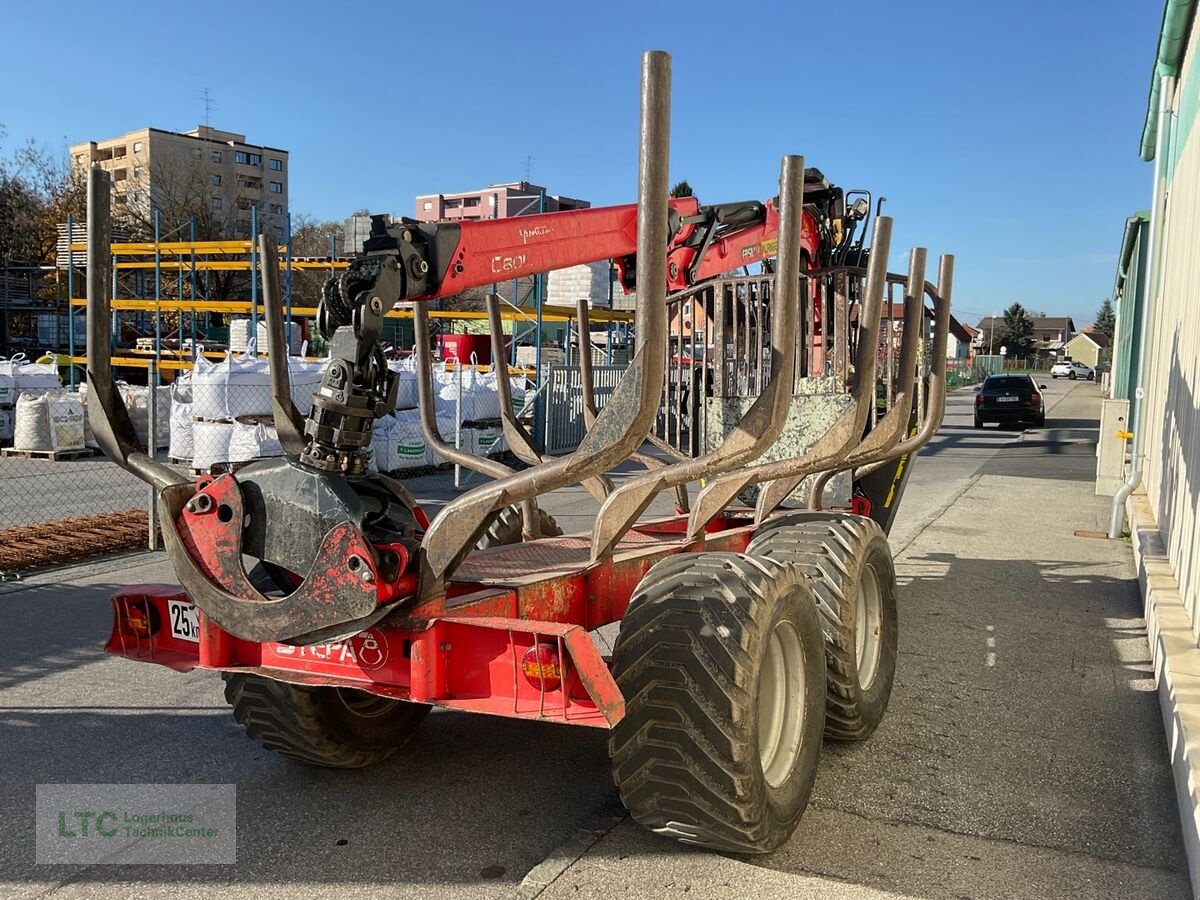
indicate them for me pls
(467, 406)
(35, 412)
(222, 413)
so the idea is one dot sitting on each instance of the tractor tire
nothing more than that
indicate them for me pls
(506, 528)
(339, 728)
(849, 562)
(721, 665)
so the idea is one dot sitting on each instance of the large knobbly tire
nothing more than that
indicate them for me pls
(721, 665)
(506, 528)
(849, 562)
(321, 726)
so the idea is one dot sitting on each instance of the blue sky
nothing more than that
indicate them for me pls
(1006, 133)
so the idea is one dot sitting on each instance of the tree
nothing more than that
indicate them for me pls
(312, 237)
(682, 189)
(37, 191)
(1106, 319)
(1017, 331)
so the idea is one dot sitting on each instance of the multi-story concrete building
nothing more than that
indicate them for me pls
(496, 201)
(210, 174)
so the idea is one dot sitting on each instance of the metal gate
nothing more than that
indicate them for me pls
(564, 405)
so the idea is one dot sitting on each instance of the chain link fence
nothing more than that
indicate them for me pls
(61, 500)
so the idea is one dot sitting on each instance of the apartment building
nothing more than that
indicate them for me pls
(213, 175)
(496, 201)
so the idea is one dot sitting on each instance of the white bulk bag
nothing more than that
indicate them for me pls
(181, 443)
(137, 401)
(483, 441)
(406, 382)
(66, 420)
(27, 377)
(485, 398)
(241, 386)
(210, 443)
(253, 441)
(520, 387)
(407, 443)
(382, 444)
(49, 421)
(479, 397)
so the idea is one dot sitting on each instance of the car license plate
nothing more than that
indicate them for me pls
(184, 623)
(1007, 399)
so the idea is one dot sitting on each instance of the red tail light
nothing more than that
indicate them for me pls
(979, 399)
(1035, 397)
(540, 666)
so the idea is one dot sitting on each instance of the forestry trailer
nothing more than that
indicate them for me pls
(339, 613)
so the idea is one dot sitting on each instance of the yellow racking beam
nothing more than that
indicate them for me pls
(243, 306)
(182, 365)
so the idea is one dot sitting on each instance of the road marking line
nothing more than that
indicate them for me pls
(990, 660)
(991, 642)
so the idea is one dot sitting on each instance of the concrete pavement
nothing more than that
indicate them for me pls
(1043, 774)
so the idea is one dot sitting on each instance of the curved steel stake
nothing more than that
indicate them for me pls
(935, 406)
(846, 431)
(630, 412)
(890, 430)
(289, 424)
(765, 419)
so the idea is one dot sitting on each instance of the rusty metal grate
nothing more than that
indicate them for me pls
(69, 540)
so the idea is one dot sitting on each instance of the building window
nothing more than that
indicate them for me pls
(276, 187)
(217, 204)
(427, 205)
(118, 153)
(216, 180)
(471, 201)
(137, 146)
(239, 157)
(137, 171)
(243, 225)
(453, 204)
(276, 165)
(216, 156)
(277, 208)
(255, 159)
(196, 153)
(78, 157)
(120, 174)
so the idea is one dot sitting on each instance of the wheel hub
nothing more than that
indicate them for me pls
(868, 626)
(781, 703)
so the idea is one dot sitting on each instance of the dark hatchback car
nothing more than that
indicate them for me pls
(1010, 398)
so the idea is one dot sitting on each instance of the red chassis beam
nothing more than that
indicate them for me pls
(520, 649)
(499, 249)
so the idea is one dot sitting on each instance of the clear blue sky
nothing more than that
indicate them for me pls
(1005, 132)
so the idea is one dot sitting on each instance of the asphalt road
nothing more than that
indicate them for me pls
(1044, 774)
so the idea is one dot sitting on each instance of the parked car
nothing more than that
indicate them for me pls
(1072, 368)
(1010, 398)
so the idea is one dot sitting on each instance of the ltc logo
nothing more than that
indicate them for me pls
(90, 824)
(367, 651)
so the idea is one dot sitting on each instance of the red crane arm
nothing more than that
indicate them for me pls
(441, 259)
